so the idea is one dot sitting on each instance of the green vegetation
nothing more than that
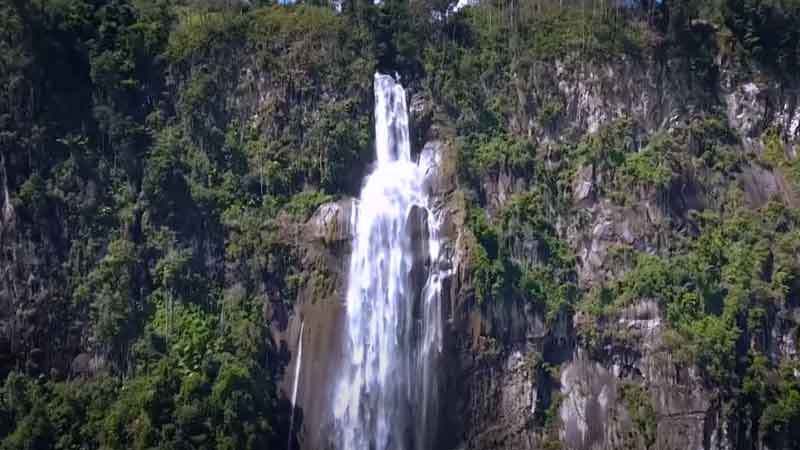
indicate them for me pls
(719, 283)
(649, 166)
(717, 296)
(491, 156)
(782, 412)
(521, 257)
(159, 207)
(641, 411)
(159, 155)
(775, 156)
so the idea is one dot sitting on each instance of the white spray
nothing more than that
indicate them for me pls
(387, 385)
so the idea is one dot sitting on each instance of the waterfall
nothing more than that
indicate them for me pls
(298, 362)
(386, 390)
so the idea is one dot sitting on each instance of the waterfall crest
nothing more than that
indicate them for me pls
(386, 390)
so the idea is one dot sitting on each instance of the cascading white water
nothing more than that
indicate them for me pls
(387, 386)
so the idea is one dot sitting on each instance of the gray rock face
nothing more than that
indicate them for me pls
(752, 105)
(589, 393)
(602, 395)
(631, 393)
(595, 94)
(761, 185)
(85, 365)
(655, 94)
(600, 389)
(431, 157)
(499, 188)
(583, 187)
(782, 344)
(319, 311)
(418, 229)
(7, 214)
(331, 223)
(746, 108)
(421, 112)
(608, 227)
(501, 403)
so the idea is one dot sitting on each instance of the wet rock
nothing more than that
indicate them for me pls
(430, 160)
(323, 245)
(417, 226)
(322, 315)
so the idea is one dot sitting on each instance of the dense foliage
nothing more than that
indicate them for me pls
(146, 205)
(723, 277)
(154, 155)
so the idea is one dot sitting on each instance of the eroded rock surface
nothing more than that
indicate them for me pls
(630, 392)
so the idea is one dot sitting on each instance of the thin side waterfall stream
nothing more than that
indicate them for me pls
(386, 391)
(299, 361)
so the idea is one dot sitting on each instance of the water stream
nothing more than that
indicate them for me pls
(387, 387)
(297, 364)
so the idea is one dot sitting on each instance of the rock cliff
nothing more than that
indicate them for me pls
(617, 186)
(521, 381)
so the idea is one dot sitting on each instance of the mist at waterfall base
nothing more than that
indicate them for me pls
(385, 397)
